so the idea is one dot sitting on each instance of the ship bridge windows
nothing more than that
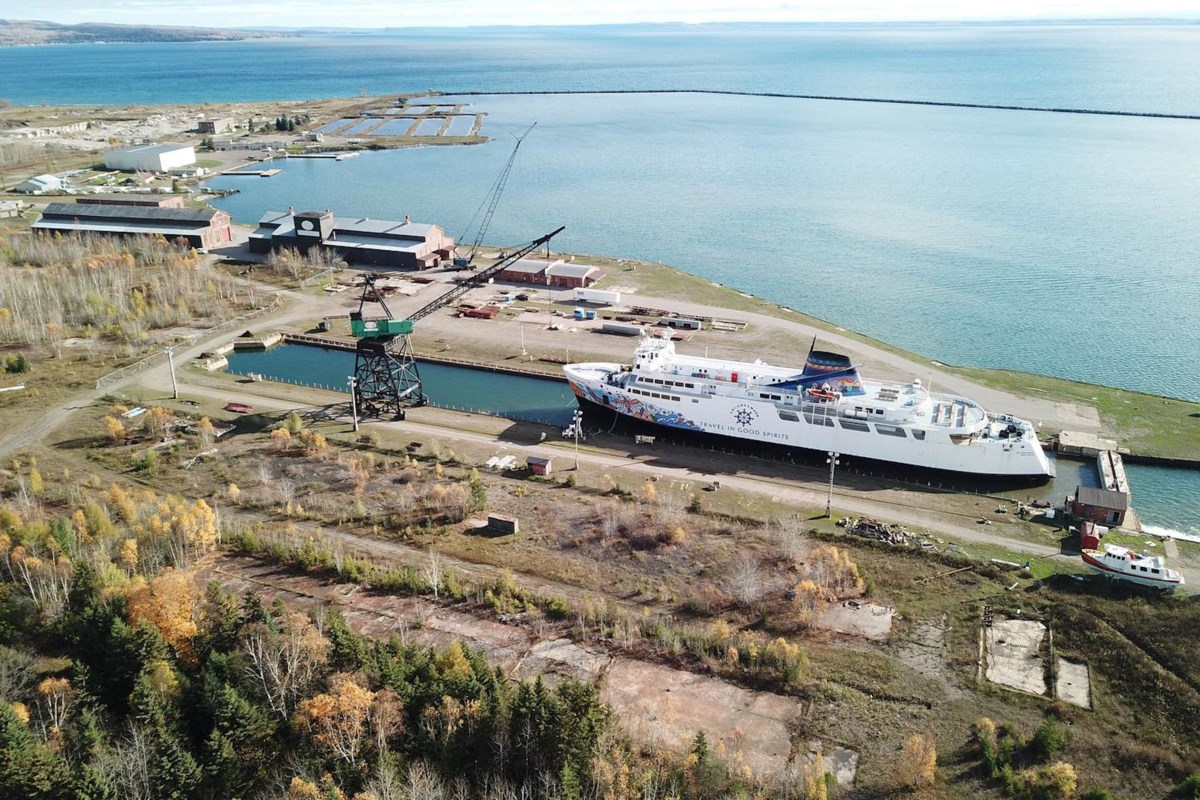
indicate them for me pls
(655, 395)
(766, 396)
(788, 416)
(661, 382)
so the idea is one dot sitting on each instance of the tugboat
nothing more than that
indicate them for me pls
(1121, 563)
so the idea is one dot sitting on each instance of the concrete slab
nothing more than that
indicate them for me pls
(667, 707)
(1077, 417)
(1073, 683)
(1014, 655)
(842, 762)
(562, 656)
(925, 651)
(1086, 443)
(851, 617)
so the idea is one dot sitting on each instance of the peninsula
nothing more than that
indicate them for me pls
(25, 33)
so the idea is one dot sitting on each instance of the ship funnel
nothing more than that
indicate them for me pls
(834, 369)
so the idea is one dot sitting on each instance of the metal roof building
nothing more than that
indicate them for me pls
(151, 157)
(572, 276)
(40, 185)
(1102, 506)
(202, 228)
(405, 245)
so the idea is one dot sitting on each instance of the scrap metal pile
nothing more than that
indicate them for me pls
(889, 533)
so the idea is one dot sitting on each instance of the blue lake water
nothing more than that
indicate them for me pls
(501, 394)
(1058, 244)
(1052, 243)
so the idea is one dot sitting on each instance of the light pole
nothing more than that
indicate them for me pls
(577, 424)
(832, 461)
(353, 400)
(171, 364)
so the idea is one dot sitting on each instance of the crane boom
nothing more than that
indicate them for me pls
(479, 278)
(491, 201)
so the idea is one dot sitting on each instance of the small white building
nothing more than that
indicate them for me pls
(40, 185)
(151, 158)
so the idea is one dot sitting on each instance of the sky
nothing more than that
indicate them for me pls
(454, 13)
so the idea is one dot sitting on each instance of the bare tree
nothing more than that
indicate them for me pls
(746, 579)
(387, 784)
(285, 664)
(287, 493)
(127, 765)
(433, 572)
(790, 539)
(423, 783)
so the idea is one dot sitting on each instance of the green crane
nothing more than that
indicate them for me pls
(386, 376)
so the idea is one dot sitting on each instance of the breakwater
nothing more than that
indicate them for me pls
(1103, 112)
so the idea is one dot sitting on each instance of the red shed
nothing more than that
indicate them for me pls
(540, 465)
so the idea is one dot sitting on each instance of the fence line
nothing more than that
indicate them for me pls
(325, 274)
(116, 376)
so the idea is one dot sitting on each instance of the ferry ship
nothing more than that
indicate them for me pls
(824, 407)
(1121, 563)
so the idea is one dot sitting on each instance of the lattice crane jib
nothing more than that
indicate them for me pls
(386, 376)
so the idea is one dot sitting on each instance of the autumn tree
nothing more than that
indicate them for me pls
(171, 602)
(206, 431)
(338, 720)
(813, 777)
(157, 421)
(833, 570)
(918, 762)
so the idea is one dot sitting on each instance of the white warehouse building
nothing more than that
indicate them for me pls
(151, 158)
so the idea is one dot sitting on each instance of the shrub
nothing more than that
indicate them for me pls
(1190, 788)
(557, 608)
(1054, 782)
(17, 364)
(1048, 740)
(1096, 793)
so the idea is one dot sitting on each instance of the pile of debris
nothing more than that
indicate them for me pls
(884, 532)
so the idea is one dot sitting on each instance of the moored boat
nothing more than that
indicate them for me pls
(825, 407)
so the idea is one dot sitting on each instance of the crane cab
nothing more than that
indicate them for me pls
(362, 328)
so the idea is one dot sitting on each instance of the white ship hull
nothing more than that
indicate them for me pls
(1121, 563)
(728, 400)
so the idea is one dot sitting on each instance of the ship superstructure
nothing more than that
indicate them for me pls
(826, 406)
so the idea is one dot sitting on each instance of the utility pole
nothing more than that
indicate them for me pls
(353, 400)
(524, 352)
(171, 364)
(577, 424)
(832, 461)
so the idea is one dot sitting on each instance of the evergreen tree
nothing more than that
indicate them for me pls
(27, 769)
